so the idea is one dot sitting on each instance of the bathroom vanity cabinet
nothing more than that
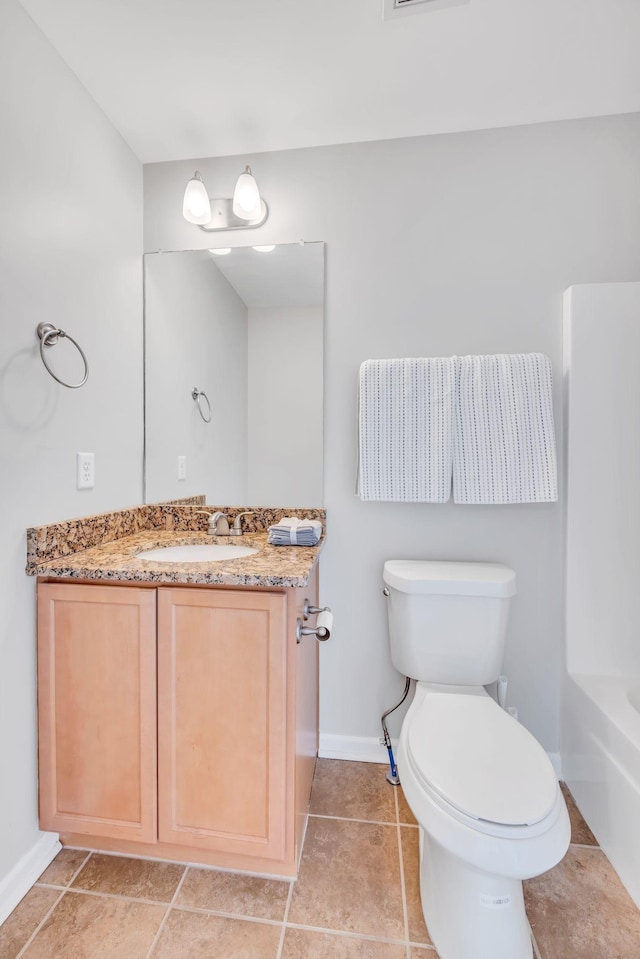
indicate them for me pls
(178, 722)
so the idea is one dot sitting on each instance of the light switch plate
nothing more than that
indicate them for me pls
(182, 467)
(85, 470)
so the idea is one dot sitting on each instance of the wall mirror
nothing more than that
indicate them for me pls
(244, 330)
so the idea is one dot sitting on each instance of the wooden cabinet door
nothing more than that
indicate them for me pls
(222, 674)
(97, 710)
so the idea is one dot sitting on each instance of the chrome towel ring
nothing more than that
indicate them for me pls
(196, 394)
(48, 336)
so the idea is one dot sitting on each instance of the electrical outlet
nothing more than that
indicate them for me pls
(182, 467)
(85, 470)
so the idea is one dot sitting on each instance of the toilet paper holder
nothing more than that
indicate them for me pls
(322, 631)
(309, 610)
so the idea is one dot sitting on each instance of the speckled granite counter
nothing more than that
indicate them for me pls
(105, 547)
(283, 566)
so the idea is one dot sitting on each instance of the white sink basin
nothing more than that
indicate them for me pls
(196, 553)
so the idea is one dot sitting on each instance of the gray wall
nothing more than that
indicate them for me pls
(196, 335)
(475, 261)
(70, 245)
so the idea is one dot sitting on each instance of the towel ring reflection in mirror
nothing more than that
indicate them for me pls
(197, 394)
(49, 336)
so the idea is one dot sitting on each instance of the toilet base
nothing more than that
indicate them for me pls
(470, 913)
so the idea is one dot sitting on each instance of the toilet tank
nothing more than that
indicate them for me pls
(447, 621)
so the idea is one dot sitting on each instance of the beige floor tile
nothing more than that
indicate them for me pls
(580, 910)
(411, 862)
(95, 927)
(349, 882)
(136, 878)
(350, 879)
(353, 791)
(304, 944)
(190, 935)
(580, 832)
(24, 919)
(232, 893)
(404, 812)
(61, 871)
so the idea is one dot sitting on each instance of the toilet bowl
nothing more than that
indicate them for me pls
(484, 793)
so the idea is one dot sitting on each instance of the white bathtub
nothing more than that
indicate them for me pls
(601, 764)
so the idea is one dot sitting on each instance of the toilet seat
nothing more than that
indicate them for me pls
(474, 758)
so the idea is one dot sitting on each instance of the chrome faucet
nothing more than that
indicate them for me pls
(218, 523)
(236, 529)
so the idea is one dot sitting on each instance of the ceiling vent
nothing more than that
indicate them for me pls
(399, 8)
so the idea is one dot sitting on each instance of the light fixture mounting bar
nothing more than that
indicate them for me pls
(223, 217)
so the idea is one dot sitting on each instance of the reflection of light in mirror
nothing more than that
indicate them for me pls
(221, 252)
(265, 249)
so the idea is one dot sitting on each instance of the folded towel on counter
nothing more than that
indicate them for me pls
(505, 444)
(293, 531)
(406, 429)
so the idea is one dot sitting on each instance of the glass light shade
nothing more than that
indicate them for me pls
(222, 251)
(246, 197)
(195, 206)
(265, 249)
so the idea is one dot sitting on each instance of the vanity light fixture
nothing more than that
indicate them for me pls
(246, 210)
(222, 251)
(195, 206)
(246, 196)
(265, 249)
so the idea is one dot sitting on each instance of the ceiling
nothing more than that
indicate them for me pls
(197, 78)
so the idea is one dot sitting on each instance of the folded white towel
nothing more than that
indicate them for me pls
(294, 522)
(505, 445)
(406, 424)
(293, 531)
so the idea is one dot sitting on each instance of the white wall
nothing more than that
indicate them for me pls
(602, 346)
(474, 261)
(70, 253)
(285, 437)
(196, 335)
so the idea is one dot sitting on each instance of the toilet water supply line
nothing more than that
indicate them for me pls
(392, 776)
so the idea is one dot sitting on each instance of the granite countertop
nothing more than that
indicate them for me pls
(279, 566)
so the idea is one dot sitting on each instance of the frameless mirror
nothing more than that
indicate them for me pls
(233, 375)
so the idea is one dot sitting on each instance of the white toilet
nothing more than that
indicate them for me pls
(482, 788)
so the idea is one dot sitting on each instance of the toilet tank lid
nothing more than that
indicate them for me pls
(449, 578)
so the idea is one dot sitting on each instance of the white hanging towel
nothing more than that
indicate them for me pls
(406, 426)
(505, 448)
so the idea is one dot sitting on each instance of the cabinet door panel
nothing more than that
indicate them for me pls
(97, 709)
(222, 719)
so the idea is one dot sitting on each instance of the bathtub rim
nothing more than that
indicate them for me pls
(600, 748)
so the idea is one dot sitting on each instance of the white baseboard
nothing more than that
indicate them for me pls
(368, 749)
(20, 879)
(363, 749)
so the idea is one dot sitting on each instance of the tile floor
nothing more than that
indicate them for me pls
(357, 896)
